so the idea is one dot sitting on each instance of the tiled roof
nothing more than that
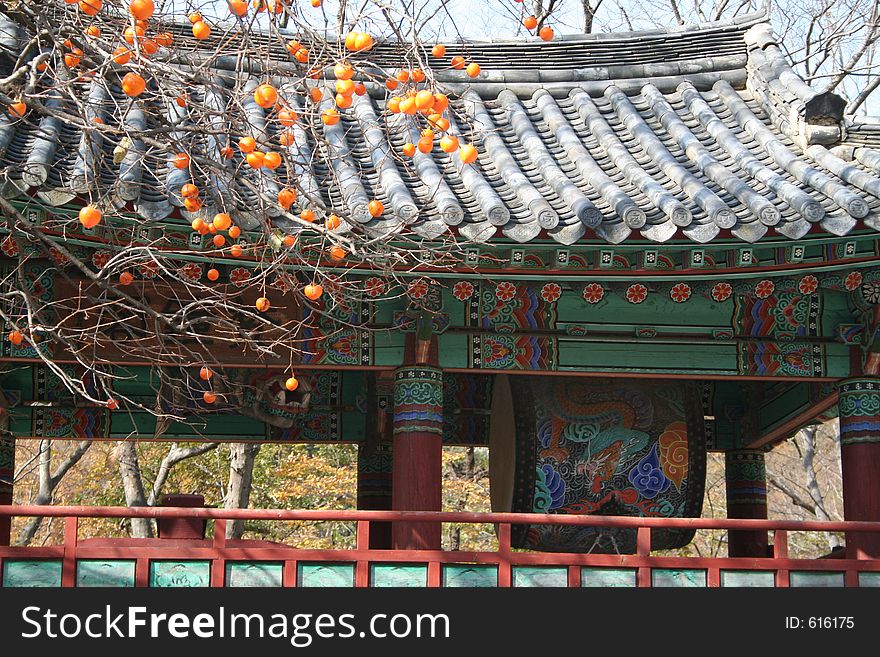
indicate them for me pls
(690, 133)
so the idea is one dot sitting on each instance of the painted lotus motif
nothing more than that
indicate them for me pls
(871, 292)
(9, 246)
(551, 292)
(239, 276)
(636, 293)
(505, 291)
(418, 289)
(594, 293)
(808, 284)
(191, 271)
(463, 290)
(101, 258)
(680, 292)
(722, 291)
(764, 288)
(852, 280)
(374, 287)
(148, 269)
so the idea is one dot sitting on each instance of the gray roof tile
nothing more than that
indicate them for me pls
(607, 135)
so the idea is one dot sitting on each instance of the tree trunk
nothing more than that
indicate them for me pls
(241, 473)
(133, 486)
(48, 482)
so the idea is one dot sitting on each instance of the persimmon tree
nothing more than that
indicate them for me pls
(231, 134)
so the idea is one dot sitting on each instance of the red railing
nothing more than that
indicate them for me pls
(218, 550)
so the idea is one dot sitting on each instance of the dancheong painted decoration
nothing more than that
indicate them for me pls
(599, 256)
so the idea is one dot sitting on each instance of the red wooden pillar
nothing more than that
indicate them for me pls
(7, 472)
(417, 452)
(746, 480)
(859, 406)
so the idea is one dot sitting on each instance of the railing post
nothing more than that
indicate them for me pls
(68, 564)
(218, 563)
(504, 567)
(142, 573)
(643, 549)
(574, 577)
(289, 574)
(434, 572)
(362, 566)
(780, 551)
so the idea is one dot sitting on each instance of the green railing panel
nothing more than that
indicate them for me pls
(398, 575)
(459, 576)
(812, 578)
(540, 576)
(100, 572)
(325, 575)
(748, 578)
(187, 574)
(253, 573)
(610, 577)
(36, 573)
(869, 579)
(685, 577)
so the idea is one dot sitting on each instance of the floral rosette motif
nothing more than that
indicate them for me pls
(808, 284)
(871, 292)
(636, 293)
(505, 291)
(9, 247)
(722, 291)
(463, 290)
(148, 269)
(680, 292)
(191, 271)
(418, 289)
(551, 292)
(101, 258)
(853, 280)
(764, 288)
(58, 258)
(374, 287)
(594, 293)
(240, 276)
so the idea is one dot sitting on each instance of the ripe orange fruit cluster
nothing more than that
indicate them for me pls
(431, 106)
(299, 51)
(546, 32)
(200, 29)
(221, 222)
(358, 41)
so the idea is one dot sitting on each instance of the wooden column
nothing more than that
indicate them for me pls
(859, 406)
(417, 477)
(375, 460)
(746, 480)
(7, 472)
